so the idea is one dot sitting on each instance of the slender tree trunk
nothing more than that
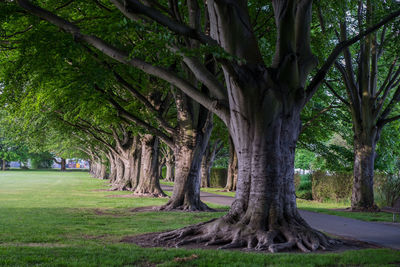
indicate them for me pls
(3, 165)
(205, 173)
(231, 180)
(63, 164)
(363, 186)
(170, 165)
(207, 162)
(149, 184)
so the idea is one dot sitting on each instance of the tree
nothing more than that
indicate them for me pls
(260, 105)
(370, 100)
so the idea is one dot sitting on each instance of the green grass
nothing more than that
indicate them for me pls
(330, 206)
(62, 219)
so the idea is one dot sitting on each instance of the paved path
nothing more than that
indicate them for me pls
(386, 235)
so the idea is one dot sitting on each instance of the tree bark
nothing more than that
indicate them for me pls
(3, 165)
(363, 186)
(149, 183)
(232, 178)
(190, 145)
(170, 165)
(63, 165)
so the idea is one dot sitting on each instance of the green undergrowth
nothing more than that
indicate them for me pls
(49, 218)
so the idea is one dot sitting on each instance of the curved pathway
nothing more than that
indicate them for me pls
(381, 234)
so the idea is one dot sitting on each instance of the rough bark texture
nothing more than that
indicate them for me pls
(363, 186)
(232, 178)
(190, 145)
(149, 184)
(264, 126)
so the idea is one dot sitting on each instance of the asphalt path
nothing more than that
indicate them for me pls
(381, 234)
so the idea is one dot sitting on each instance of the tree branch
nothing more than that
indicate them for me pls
(321, 73)
(336, 94)
(211, 104)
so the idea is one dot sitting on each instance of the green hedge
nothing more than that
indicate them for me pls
(218, 177)
(334, 186)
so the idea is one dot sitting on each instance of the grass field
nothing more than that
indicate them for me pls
(48, 218)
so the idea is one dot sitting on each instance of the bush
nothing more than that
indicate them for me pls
(297, 178)
(305, 182)
(336, 186)
(218, 177)
(388, 186)
(304, 194)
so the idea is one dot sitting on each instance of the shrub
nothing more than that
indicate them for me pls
(297, 178)
(304, 194)
(335, 186)
(388, 186)
(305, 182)
(218, 177)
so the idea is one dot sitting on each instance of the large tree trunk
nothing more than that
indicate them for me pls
(232, 178)
(112, 167)
(119, 184)
(264, 125)
(3, 165)
(190, 145)
(363, 186)
(149, 184)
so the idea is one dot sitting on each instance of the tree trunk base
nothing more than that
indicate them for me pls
(374, 208)
(238, 235)
(147, 193)
(172, 206)
(117, 187)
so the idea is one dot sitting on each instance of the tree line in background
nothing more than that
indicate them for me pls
(135, 86)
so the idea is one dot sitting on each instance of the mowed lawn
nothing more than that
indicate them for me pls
(49, 218)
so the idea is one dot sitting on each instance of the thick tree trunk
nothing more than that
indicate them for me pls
(149, 184)
(63, 165)
(120, 184)
(102, 171)
(231, 180)
(264, 214)
(3, 165)
(363, 187)
(112, 167)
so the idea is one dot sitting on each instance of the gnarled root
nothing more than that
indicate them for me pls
(188, 207)
(238, 235)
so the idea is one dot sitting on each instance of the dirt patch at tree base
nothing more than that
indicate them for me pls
(157, 208)
(150, 240)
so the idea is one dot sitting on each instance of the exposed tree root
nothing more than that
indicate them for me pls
(173, 206)
(237, 235)
(120, 187)
(146, 193)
